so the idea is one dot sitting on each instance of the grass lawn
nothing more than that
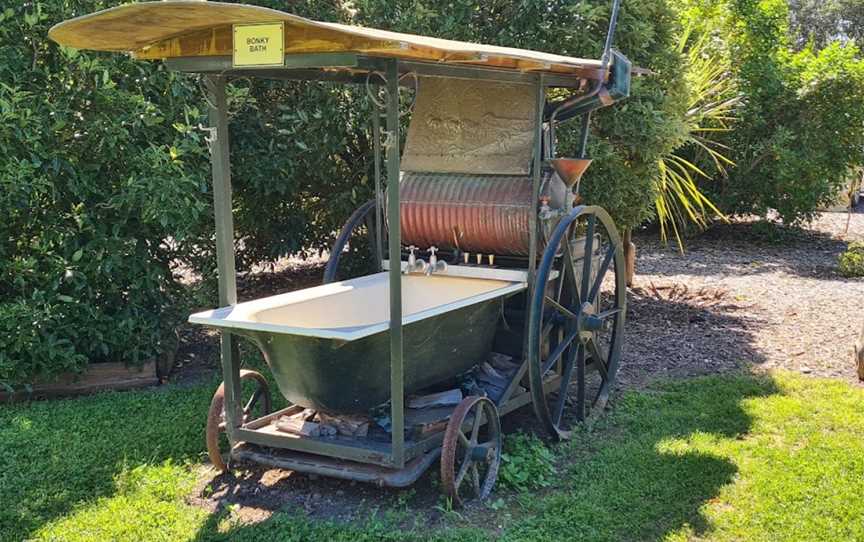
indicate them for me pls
(719, 458)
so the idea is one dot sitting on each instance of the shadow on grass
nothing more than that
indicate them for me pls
(629, 477)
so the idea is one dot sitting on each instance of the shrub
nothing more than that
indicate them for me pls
(680, 204)
(800, 127)
(851, 262)
(526, 463)
(98, 194)
(105, 191)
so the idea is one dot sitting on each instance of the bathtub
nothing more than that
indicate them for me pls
(329, 346)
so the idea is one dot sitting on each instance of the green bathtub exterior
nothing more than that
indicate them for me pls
(354, 376)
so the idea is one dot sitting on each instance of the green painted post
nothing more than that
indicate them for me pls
(397, 389)
(539, 105)
(221, 169)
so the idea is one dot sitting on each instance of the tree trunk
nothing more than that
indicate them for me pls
(859, 354)
(629, 256)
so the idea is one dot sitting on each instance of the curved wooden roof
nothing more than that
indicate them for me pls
(189, 28)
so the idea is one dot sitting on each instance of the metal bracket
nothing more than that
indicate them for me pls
(372, 95)
(211, 137)
(389, 139)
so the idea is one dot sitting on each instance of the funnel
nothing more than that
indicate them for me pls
(570, 169)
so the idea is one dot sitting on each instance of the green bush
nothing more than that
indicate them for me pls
(105, 190)
(317, 133)
(98, 194)
(800, 127)
(851, 262)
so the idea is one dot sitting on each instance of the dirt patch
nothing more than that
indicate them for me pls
(251, 493)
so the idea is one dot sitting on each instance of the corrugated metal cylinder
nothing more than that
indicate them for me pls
(475, 213)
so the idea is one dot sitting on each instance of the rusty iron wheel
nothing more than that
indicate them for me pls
(576, 320)
(216, 415)
(475, 454)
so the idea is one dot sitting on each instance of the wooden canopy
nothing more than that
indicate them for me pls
(194, 28)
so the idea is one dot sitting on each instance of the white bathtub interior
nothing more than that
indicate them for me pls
(355, 308)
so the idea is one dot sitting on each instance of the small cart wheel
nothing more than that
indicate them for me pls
(260, 395)
(475, 454)
(576, 318)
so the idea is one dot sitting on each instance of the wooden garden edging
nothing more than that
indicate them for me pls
(97, 377)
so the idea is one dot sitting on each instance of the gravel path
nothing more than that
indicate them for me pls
(739, 297)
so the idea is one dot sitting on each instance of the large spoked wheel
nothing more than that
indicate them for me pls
(363, 219)
(252, 385)
(576, 319)
(470, 461)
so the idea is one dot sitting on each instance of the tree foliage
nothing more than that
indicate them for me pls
(712, 98)
(818, 23)
(98, 194)
(800, 127)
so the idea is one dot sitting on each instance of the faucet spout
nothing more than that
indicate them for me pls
(434, 264)
(415, 264)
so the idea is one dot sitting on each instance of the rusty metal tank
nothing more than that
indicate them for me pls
(490, 214)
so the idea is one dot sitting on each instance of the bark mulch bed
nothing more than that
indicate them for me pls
(745, 294)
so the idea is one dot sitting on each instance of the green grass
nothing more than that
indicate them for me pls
(720, 458)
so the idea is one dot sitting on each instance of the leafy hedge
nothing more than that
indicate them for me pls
(98, 193)
(800, 128)
(105, 179)
(851, 262)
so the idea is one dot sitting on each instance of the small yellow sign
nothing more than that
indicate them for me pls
(259, 44)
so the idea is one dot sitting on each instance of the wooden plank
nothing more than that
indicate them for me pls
(299, 427)
(97, 377)
(157, 30)
(273, 416)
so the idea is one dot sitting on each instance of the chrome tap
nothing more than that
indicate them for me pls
(415, 264)
(434, 264)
